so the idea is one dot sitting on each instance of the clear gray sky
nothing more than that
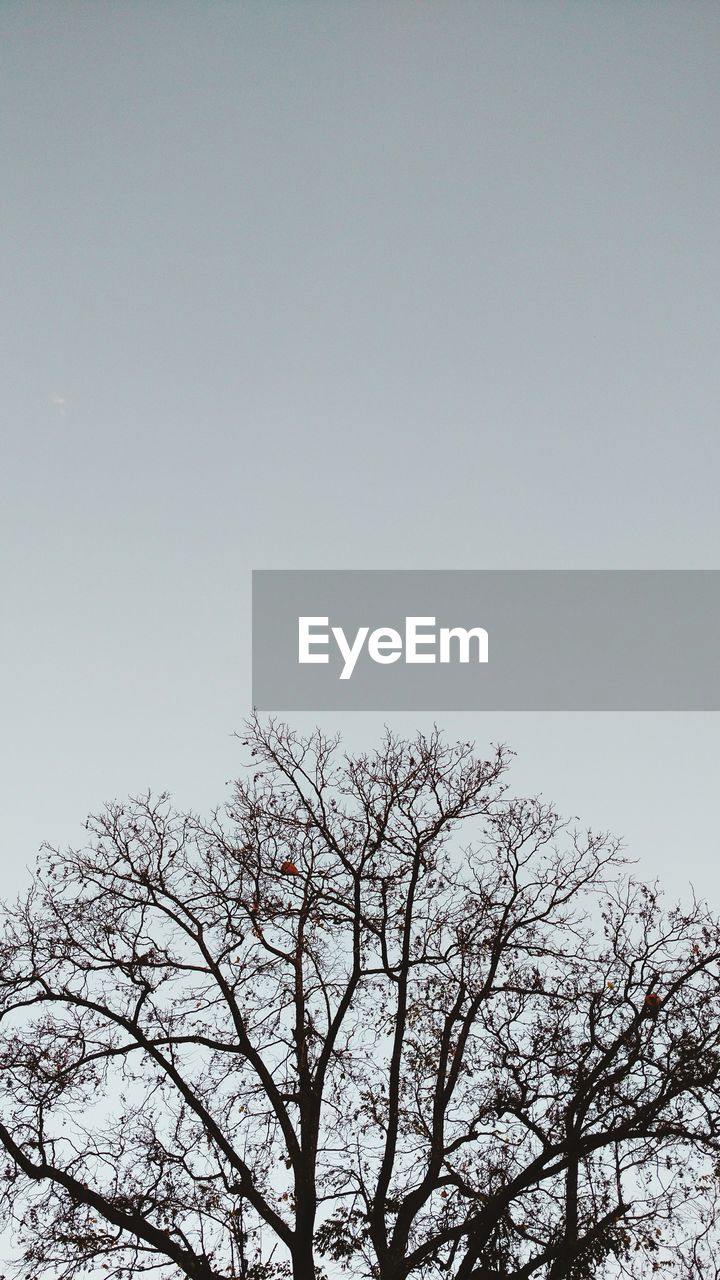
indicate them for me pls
(326, 285)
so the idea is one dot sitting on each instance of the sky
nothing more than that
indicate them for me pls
(344, 285)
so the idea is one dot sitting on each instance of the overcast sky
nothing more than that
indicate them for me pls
(327, 285)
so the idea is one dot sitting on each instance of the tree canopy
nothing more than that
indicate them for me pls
(377, 1016)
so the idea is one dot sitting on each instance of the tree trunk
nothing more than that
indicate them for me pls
(303, 1262)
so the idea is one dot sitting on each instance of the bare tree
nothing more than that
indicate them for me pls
(376, 1012)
